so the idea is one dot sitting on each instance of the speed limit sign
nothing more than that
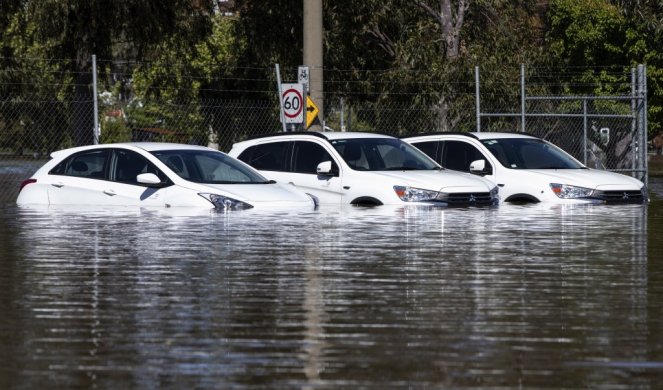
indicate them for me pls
(293, 103)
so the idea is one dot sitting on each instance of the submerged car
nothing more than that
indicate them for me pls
(361, 169)
(528, 169)
(156, 175)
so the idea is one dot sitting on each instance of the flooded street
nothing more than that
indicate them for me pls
(517, 296)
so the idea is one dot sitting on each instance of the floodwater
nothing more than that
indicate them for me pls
(512, 297)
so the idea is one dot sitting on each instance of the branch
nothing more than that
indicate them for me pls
(436, 15)
(382, 40)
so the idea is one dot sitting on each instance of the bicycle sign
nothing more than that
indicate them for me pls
(293, 103)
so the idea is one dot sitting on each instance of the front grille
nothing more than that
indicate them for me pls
(469, 199)
(627, 196)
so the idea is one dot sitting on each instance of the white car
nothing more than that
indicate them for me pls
(155, 175)
(361, 169)
(528, 169)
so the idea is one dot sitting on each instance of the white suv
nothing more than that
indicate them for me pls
(528, 169)
(361, 169)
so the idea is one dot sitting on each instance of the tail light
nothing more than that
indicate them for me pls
(26, 182)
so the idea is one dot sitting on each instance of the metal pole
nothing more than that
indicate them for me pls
(478, 97)
(634, 133)
(584, 130)
(278, 87)
(96, 132)
(645, 125)
(342, 114)
(522, 97)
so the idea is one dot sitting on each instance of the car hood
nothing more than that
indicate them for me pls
(258, 193)
(443, 181)
(589, 178)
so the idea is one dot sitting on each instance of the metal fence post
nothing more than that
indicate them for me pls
(478, 97)
(522, 97)
(342, 114)
(645, 161)
(584, 130)
(96, 131)
(634, 123)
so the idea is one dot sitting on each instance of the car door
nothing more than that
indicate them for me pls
(123, 189)
(80, 179)
(458, 155)
(306, 155)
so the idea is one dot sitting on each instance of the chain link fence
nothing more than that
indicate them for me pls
(34, 125)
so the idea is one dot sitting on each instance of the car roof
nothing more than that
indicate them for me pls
(147, 146)
(152, 146)
(328, 135)
(476, 135)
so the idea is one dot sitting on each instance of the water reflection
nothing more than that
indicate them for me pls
(350, 297)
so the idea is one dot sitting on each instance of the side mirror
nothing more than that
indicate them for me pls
(478, 167)
(150, 179)
(325, 169)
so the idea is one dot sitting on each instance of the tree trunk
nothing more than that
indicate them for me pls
(450, 23)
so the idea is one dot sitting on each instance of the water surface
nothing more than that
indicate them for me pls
(518, 296)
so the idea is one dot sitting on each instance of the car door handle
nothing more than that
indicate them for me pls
(58, 185)
(109, 192)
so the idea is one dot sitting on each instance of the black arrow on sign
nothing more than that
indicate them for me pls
(310, 109)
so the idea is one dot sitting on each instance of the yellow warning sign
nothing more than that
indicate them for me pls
(311, 111)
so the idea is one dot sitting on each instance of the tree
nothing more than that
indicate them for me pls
(77, 29)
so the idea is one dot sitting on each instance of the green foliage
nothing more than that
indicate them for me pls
(114, 130)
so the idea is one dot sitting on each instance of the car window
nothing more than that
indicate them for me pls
(128, 164)
(381, 154)
(428, 147)
(90, 164)
(529, 153)
(272, 156)
(209, 167)
(458, 155)
(307, 155)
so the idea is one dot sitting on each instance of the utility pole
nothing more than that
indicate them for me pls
(313, 53)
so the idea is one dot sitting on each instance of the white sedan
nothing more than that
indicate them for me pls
(528, 169)
(155, 175)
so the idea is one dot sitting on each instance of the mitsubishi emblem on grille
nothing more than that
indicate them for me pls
(473, 199)
(625, 196)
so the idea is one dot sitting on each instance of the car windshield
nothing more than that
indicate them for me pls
(209, 167)
(530, 153)
(382, 154)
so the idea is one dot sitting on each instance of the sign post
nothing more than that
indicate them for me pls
(278, 86)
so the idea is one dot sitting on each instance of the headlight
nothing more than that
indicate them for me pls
(409, 194)
(226, 203)
(566, 191)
